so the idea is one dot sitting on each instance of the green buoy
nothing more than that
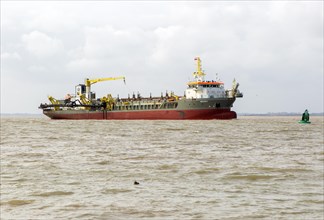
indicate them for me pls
(305, 118)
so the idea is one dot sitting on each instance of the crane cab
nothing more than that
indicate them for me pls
(81, 90)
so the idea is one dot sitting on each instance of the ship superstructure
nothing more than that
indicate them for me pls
(202, 100)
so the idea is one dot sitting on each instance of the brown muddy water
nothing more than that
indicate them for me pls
(249, 168)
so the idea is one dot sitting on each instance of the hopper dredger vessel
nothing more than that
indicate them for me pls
(201, 100)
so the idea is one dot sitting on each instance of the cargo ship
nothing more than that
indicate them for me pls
(201, 100)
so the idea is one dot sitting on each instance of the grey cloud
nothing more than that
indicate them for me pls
(269, 47)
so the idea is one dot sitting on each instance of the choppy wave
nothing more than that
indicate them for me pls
(250, 168)
(17, 202)
(53, 193)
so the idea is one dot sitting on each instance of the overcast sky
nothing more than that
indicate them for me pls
(273, 49)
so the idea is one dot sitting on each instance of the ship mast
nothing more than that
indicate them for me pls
(199, 74)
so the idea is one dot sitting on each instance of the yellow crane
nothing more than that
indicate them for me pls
(54, 102)
(109, 101)
(89, 82)
(84, 100)
(199, 74)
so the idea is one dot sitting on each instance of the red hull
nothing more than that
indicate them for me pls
(144, 115)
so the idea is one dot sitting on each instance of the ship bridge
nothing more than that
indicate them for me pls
(204, 89)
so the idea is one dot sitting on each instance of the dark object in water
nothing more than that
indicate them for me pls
(136, 183)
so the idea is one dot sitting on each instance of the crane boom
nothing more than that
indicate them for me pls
(54, 102)
(89, 82)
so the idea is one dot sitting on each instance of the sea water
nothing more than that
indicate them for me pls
(248, 168)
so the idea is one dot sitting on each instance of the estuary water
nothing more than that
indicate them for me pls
(248, 168)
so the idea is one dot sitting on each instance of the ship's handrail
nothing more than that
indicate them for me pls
(125, 105)
(72, 105)
(206, 83)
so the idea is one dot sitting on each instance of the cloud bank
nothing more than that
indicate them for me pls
(274, 49)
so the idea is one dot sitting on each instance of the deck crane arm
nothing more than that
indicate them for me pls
(89, 82)
(84, 100)
(54, 102)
